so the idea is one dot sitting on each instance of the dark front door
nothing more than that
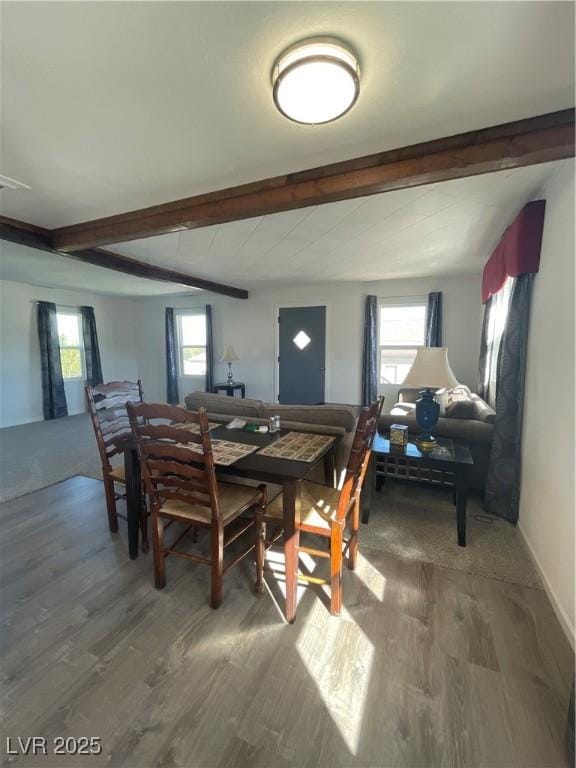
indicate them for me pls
(302, 360)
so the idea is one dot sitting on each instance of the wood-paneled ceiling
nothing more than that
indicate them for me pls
(438, 229)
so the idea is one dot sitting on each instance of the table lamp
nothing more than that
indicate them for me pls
(431, 371)
(229, 357)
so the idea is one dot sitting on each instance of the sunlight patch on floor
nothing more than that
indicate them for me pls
(275, 581)
(370, 577)
(275, 567)
(272, 596)
(339, 657)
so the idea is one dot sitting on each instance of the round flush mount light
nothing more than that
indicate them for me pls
(316, 81)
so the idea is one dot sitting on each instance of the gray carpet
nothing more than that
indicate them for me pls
(417, 522)
(35, 455)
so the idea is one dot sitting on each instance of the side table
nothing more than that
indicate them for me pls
(230, 388)
(450, 458)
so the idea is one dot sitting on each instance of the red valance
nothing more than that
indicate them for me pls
(518, 251)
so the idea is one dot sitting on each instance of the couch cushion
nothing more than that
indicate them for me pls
(222, 404)
(328, 415)
(470, 430)
(408, 395)
(403, 409)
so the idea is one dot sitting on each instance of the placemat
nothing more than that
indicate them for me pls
(195, 428)
(226, 452)
(298, 446)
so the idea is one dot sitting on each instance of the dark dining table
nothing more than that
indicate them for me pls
(266, 469)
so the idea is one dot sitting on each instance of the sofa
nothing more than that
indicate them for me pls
(337, 420)
(464, 415)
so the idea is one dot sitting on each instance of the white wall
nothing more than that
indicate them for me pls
(131, 336)
(251, 327)
(547, 491)
(20, 377)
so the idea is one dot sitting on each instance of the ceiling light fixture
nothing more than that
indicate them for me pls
(316, 81)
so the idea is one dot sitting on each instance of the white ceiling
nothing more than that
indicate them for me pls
(447, 228)
(27, 265)
(112, 106)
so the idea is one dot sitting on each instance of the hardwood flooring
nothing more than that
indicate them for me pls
(427, 666)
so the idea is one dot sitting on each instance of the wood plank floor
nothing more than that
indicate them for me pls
(428, 666)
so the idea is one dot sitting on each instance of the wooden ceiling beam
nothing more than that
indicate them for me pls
(41, 239)
(20, 232)
(514, 145)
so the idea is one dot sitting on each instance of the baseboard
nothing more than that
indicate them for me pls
(33, 420)
(567, 627)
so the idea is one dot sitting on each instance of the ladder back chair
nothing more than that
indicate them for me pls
(178, 469)
(330, 513)
(107, 408)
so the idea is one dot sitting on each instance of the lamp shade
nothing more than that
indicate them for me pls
(229, 355)
(431, 369)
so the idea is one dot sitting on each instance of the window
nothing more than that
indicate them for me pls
(192, 342)
(499, 306)
(401, 330)
(70, 339)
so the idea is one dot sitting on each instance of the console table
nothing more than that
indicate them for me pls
(230, 388)
(448, 463)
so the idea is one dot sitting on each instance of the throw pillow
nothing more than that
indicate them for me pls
(459, 403)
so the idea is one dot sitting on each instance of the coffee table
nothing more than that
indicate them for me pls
(447, 464)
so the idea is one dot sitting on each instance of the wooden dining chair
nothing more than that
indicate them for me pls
(178, 469)
(107, 408)
(333, 513)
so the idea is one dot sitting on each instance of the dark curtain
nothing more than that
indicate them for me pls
(483, 363)
(502, 493)
(53, 394)
(369, 353)
(569, 737)
(209, 350)
(91, 349)
(434, 320)
(171, 361)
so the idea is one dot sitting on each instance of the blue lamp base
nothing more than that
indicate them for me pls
(427, 412)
